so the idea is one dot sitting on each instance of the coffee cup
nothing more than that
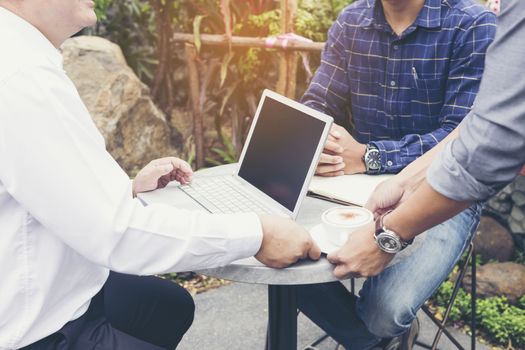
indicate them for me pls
(340, 222)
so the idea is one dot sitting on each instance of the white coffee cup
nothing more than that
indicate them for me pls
(340, 222)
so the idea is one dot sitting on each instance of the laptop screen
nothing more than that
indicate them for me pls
(280, 152)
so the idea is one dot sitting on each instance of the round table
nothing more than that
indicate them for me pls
(282, 308)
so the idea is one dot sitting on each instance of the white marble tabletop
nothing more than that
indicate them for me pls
(250, 270)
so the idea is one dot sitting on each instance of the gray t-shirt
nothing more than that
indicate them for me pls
(491, 148)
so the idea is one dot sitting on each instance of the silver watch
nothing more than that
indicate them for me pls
(389, 241)
(372, 159)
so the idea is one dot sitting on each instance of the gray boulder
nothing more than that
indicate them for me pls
(135, 130)
(493, 241)
(499, 279)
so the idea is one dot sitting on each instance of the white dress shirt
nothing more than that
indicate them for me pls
(67, 215)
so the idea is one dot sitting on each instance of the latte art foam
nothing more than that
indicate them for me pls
(348, 216)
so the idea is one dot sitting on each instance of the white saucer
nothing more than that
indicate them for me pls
(319, 236)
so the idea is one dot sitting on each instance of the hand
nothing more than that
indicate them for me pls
(360, 256)
(388, 195)
(160, 172)
(285, 242)
(342, 154)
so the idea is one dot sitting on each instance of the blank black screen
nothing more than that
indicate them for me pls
(280, 152)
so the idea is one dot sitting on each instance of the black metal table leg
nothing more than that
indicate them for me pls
(282, 325)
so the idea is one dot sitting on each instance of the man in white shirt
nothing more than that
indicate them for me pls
(68, 217)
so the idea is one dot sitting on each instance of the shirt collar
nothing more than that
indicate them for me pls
(31, 35)
(428, 17)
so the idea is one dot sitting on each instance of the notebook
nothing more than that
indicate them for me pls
(346, 189)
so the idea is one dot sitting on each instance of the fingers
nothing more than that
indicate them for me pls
(372, 204)
(177, 163)
(330, 159)
(181, 165)
(161, 170)
(330, 169)
(334, 135)
(330, 165)
(315, 252)
(334, 258)
(336, 131)
(334, 147)
(332, 174)
(342, 271)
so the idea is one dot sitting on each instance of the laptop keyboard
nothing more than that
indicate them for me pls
(222, 195)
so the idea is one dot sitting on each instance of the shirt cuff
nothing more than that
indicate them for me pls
(448, 177)
(245, 233)
(390, 157)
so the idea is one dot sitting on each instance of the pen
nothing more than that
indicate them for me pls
(415, 76)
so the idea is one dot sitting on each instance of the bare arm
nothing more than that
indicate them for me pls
(414, 174)
(425, 209)
(392, 193)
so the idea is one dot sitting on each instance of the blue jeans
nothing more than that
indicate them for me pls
(387, 303)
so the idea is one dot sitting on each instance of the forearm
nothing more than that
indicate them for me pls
(425, 209)
(414, 174)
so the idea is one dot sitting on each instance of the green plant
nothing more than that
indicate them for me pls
(227, 155)
(131, 25)
(101, 8)
(502, 322)
(520, 257)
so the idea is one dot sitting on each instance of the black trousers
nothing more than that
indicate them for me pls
(129, 313)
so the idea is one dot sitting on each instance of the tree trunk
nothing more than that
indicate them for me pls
(287, 82)
(198, 127)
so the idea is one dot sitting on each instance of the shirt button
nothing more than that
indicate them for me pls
(392, 83)
(389, 163)
(396, 47)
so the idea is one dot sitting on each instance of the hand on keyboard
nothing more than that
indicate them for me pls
(285, 242)
(159, 172)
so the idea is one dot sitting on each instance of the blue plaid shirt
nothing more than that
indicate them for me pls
(403, 93)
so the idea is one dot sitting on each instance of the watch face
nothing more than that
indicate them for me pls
(373, 159)
(388, 243)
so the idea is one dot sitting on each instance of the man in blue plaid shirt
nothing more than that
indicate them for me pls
(397, 76)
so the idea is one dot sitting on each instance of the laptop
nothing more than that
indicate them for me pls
(276, 165)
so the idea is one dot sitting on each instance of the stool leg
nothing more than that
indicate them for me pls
(457, 285)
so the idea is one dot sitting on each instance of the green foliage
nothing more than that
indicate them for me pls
(520, 257)
(131, 24)
(101, 8)
(226, 155)
(315, 17)
(501, 321)
(461, 306)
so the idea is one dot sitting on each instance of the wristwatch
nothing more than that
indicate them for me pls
(372, 159)
(387, 240)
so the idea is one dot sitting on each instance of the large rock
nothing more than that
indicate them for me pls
(493, 241)
(120, 104)
(499, 279)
